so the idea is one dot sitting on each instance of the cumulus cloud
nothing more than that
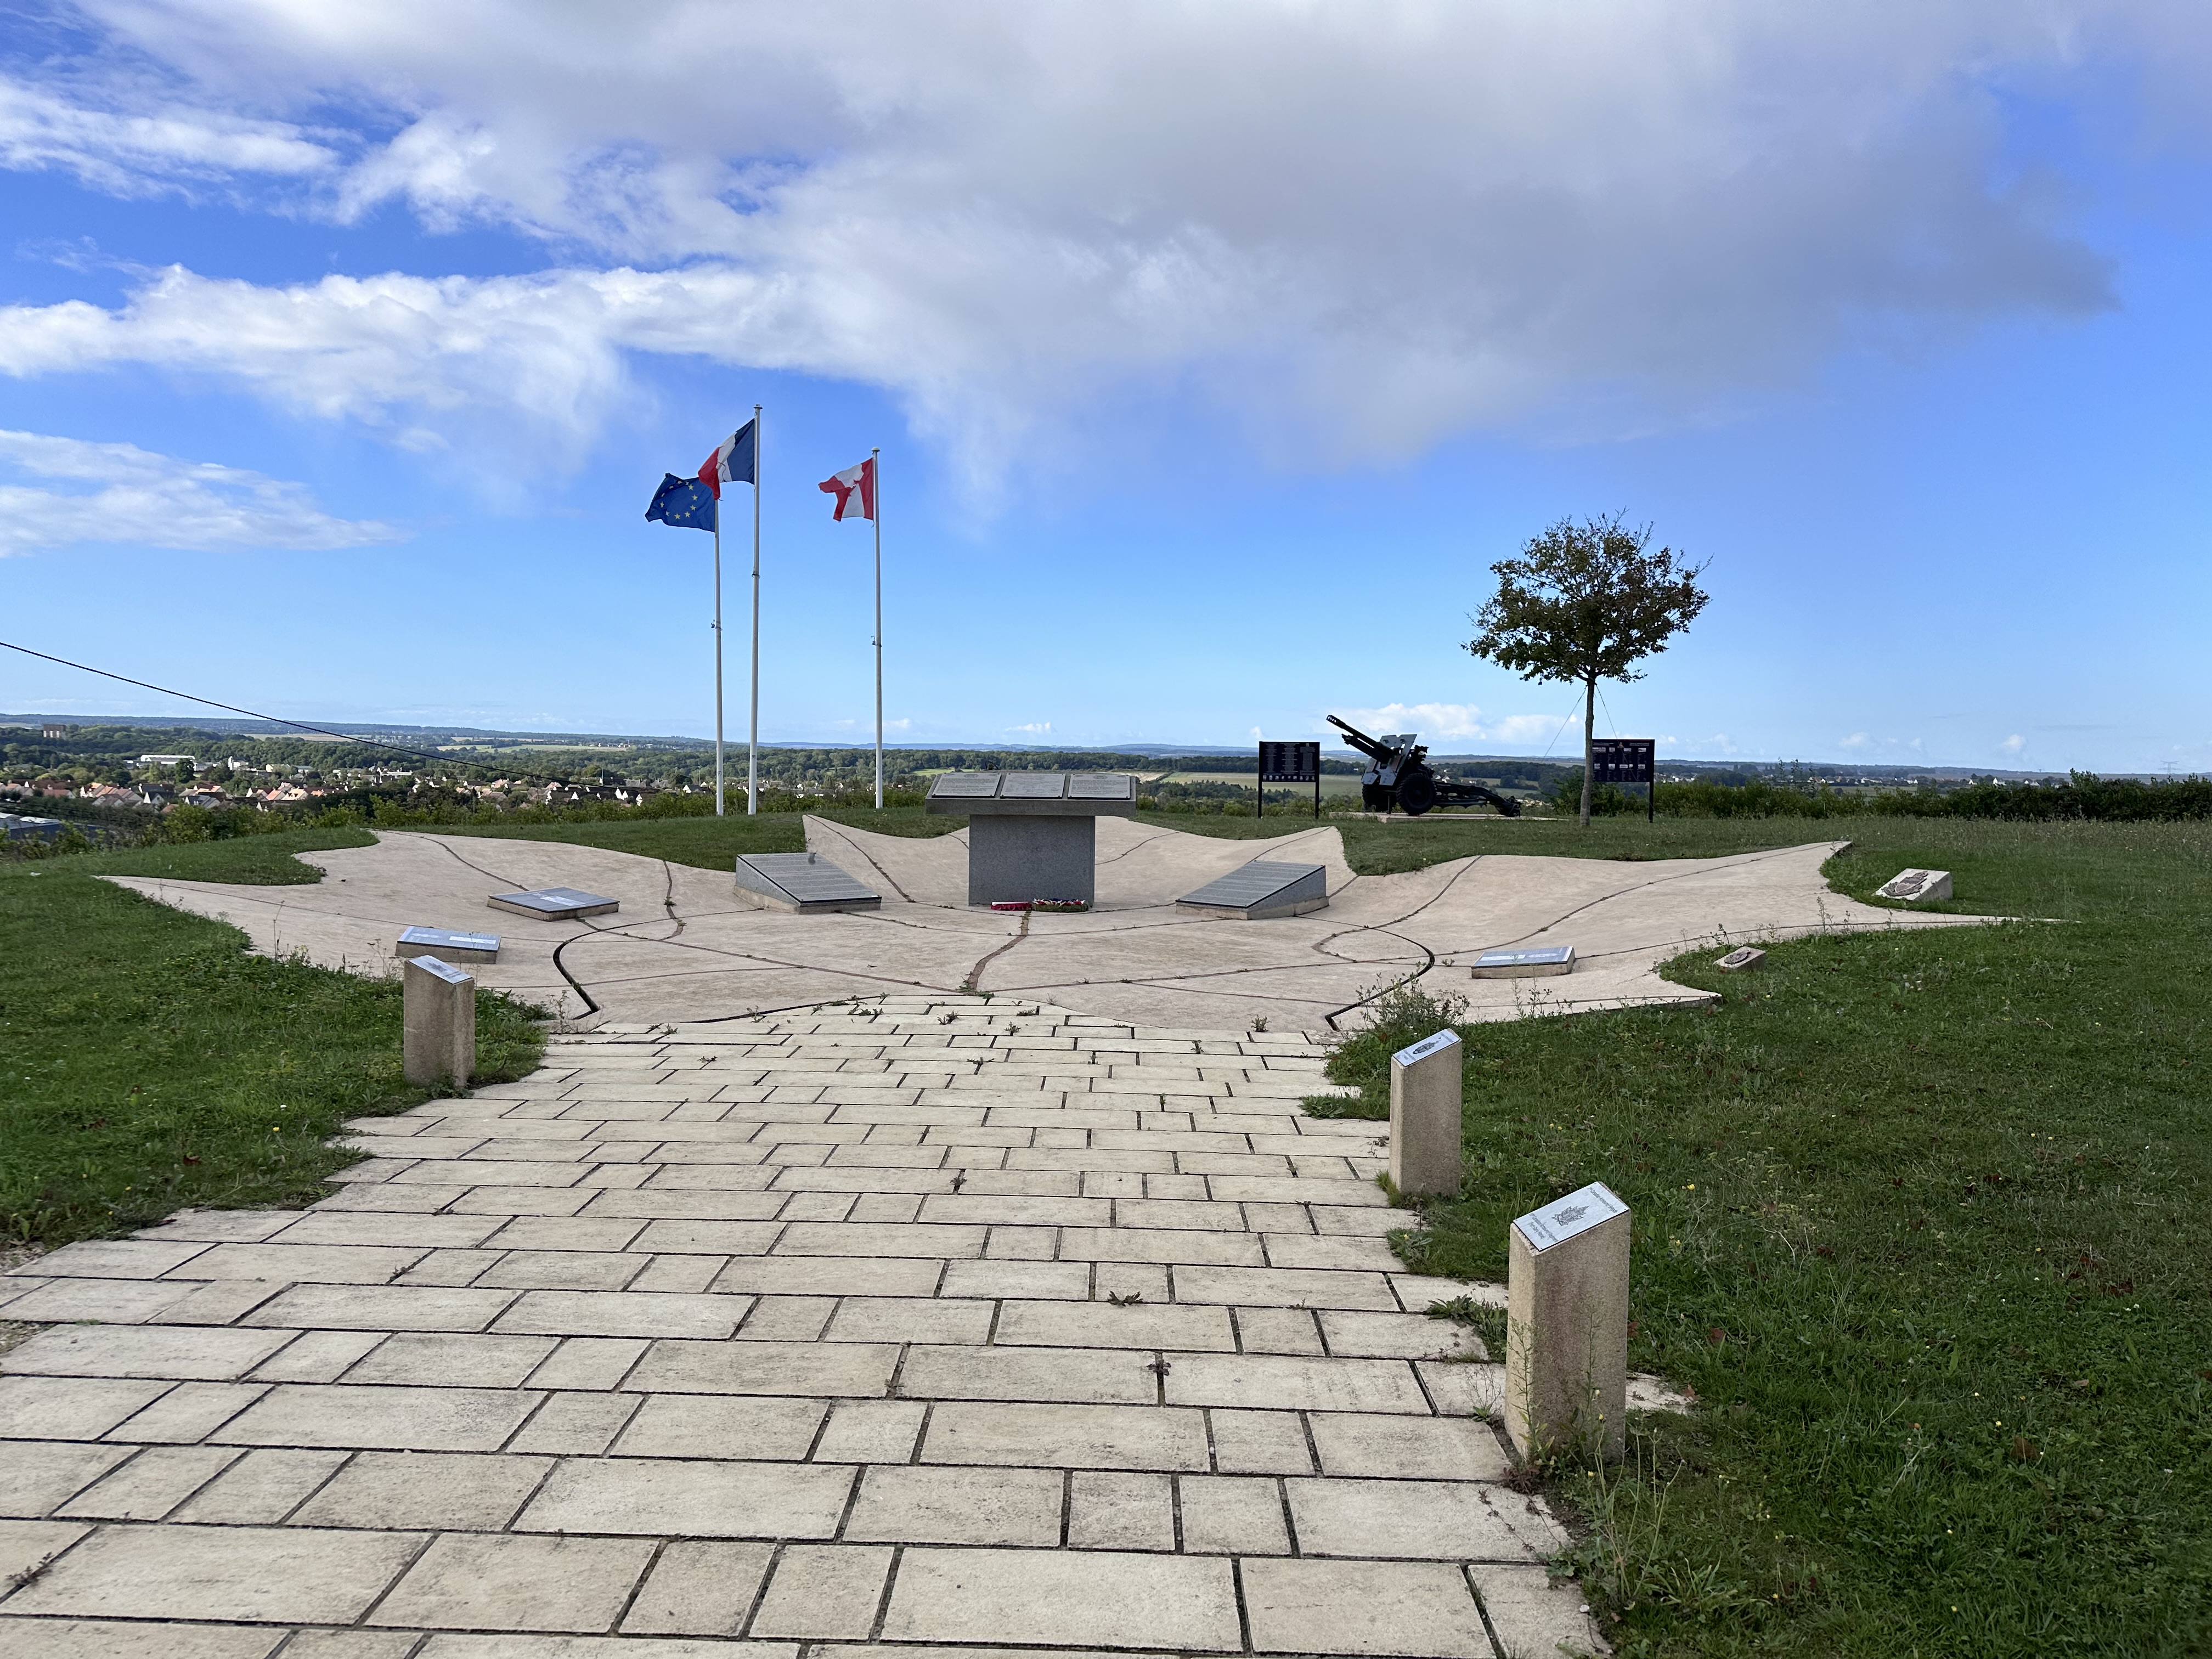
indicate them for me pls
(128, 495)
(1408, 219)
(1440, 721)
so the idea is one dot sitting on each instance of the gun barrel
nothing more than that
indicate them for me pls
(1359, 739)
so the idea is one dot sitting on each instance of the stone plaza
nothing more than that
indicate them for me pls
(915, 1280)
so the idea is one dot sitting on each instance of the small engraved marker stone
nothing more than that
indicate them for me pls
(1741, 959)
(1917, 886)
(437, 1021)
(1525, 963)
(1566, 1329)
(1425, 1117)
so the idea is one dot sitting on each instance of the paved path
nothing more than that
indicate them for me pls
(684, 947)
(935, 1325)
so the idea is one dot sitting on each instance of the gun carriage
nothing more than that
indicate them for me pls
(1398, 778)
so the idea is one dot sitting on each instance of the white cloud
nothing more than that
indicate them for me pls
(1034, 729)
(1411, 218)
(156, 501)
(2013, 746)
(1437, 722)
(1856, 743)
(131, 154)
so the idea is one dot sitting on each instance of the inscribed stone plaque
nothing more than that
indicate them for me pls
(1419, 1051)
(444, 971)
(554, 903)
(1523, 963)
(1917, 886)
(966, 785)
(445, 943)
(1101, 785)
(1033, 785)
(1737, 960)
(1262, 888)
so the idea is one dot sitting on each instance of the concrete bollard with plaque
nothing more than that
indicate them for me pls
(438, 1044)
(1425, 1117)
(1566, 1326)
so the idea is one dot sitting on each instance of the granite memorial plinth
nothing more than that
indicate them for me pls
(554, 904)
(447, 945)
(438, 1024)
(1033, 836)
(1525, 964)
(1425, 1117)
(1566, 1326)
(805, 884)
(1917, 886)
(1260, 890)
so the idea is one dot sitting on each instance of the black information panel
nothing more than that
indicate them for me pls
(1290, 762)
(1287, 762)
(1623, 760)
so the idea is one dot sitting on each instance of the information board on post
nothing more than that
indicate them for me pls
(1288, 763)
(1628, 760)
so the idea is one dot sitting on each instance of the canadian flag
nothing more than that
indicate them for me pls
(856, 490)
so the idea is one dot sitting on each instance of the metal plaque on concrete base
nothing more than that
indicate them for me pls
(554, 904)
(1525, 964)
(1917, 886)
(450, 946)
(1425, 1117)
(438, 1024)
(805, 884)
(1566, 1326)
(1744, 957)
(1260, 890)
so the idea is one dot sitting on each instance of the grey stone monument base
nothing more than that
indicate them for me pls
(1566, 1326)
(1425, 1117)
(1743, 956)
(1031, 858)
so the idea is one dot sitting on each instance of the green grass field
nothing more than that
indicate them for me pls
(1924, 1222)
(149, 1063)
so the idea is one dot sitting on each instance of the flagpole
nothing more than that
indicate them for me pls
(875, 456)
(718, 658)
(752, 745)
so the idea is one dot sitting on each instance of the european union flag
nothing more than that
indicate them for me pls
(684, 502)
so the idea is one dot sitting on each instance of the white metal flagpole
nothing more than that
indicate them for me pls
(752, 747)
(718, 658)
(875, 456)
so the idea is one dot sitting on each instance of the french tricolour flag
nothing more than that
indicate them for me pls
(733, 461)
(856, 490)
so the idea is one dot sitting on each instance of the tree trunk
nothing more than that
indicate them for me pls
(1589, 730)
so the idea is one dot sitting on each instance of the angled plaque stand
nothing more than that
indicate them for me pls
(1033, 836)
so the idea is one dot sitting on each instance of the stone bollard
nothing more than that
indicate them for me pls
(1566, 1326)
(1425, 1117)
(439, 1044)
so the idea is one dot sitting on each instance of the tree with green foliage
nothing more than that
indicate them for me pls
(1586, 601)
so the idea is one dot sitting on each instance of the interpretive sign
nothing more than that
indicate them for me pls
(1628, 760)
(1525, 964)
(1623, 760)
(1288, 763)
(453, 946)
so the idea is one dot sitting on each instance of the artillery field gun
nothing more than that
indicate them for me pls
(1398, 778)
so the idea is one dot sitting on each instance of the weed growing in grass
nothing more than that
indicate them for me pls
(1399, 1017)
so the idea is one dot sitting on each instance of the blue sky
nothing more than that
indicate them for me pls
(341, 350)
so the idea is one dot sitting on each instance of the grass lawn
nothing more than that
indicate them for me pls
(1924, 1221)
(149, 1063)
